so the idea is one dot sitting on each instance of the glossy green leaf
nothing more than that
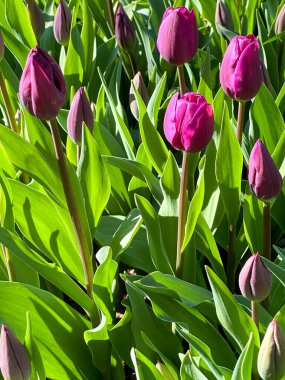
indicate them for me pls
(243, 368)
(249, 18)
(278, 272)
(205, 84)
(189, 369)
(144, 368)
(155, 100)
(229, 163)
(88, 42)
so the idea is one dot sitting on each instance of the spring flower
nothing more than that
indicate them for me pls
(36, 18)
(124, 30)
(62, 23)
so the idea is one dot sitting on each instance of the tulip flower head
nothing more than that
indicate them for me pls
(14, 358)
(139, 84)
(178, 35)
(62, 23)
(36, 18)
(2, 46)
(223, 18)
(263, 176)
(255, 279)
(280, 21)
(124, 30)
(271, 356)
(80, 111)
(188, 122)
(42, 85)
(241, 72)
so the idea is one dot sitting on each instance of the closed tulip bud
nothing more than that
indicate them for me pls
(139, 84)
(2, 46)
(36, 18)
(189, 122)
(42, 85)
(178, 35)
(14, 358)
(241, 72)
(280, 21)
(80, 111)
(223, 18)
(124, 30)
(263, 176)
(255, 279)
(271, 356)
(62, 23)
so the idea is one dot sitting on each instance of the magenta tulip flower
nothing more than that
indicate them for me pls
(42, 85)
(263, 176)
(255, 279)
(14, 358)
(80, 111)
(189, 122)
(178, 36)
(62, 23)
(124, 30)
(241, 71)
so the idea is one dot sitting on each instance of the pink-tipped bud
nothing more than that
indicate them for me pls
(2, 46)
(223, 18)
(255, 279)
(188, 122)
(124, 30)
(280, 21)
(139, 84)
(271, 356)
(80, 111)
(14, 358)
(62, 23)
(42, 86)
(263, 176)
(36, 18)
(178, 36)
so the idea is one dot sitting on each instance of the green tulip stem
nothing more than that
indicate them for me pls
(231, 258)
(181, 78)
(76, 221)
(111, 15)
(240, 121)
(132, 64)
(254, 313)
(181, 212)
(78, 152)
(266, 231)
(8, 104)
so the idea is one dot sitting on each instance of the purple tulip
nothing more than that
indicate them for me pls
(2, 46)
(280, 21)
(36, 18)
(241, 72)
(178, 36)
(42, 85)
(271, 356)
(255, 279)
(80, 111)
(124, 30)
(223, 18)
(62, 23)
(189, 122)
(14, 358)
(263, 176)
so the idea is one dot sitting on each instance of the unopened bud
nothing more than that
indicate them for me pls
(62, 23)
(223, 18)
(139, 84)
(36, 18)
(124, 30)
(280, 21)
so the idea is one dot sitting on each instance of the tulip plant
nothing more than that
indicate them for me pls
(142, 158)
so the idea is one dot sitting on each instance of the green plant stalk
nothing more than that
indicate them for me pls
(8, 104)
(231, 257)
(181, 79)
(240, 121)
(111, 15)
(132, 64)
(254, 313)
(77, 224)
(266, 230)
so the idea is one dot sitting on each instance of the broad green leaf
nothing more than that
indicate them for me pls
(189, 369)
(151, 221)
(100, 13)
(19, 20)
(88, 42)
(280, 100)
(231, 315)
(205, 84)
(229, 163)
(249, 17)
(94, 179)
(278, 272)
(243, 368)
(155, 100)
(144, 368)
(57, 329)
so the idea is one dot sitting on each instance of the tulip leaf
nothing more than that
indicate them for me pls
(243, 368)
(249, 18)
(278, 272)
(94, 179)
(229, 163)
(57, 329)
(205, 84)
(189, 369)
(280, 100)
(18, 18)
(144, 368)
(100, 12)
(88, 41)
(230, 314)
(155, 100)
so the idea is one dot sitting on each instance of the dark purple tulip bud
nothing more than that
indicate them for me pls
(36, 18)
(80, 111)
(62, 23)
(178, 35)
(280, 21)
(223, 18)
(14, 358)
(42, 85)
(124, 30)
(271, 356)
(255, 279)
(263, 176)
(241, 72)
(189, 122)
(2, 46)
(142, 90)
